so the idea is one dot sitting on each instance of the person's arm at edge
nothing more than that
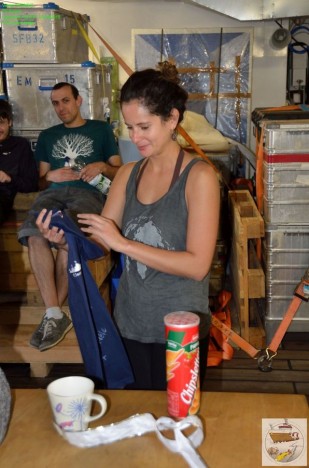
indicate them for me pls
(26, 179)
(44, 167)
(111, 168)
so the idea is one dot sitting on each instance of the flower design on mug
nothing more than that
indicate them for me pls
(58, 408)
(77, 409)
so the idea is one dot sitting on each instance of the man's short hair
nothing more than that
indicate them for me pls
(60, 85)
(6, 110)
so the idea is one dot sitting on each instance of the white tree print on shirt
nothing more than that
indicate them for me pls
(72, 146)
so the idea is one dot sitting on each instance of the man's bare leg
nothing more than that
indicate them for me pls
(49, 275)
(43, 267)
(62, 276)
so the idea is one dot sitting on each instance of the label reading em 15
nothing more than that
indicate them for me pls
(27, 80)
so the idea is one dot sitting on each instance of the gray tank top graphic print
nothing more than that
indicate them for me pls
(145, 295)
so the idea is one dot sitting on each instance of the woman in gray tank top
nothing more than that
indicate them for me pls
(162, 215)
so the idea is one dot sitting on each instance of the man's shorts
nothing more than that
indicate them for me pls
(70, 200)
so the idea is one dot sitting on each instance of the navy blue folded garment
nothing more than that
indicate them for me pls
(101, 346)
(115, 277)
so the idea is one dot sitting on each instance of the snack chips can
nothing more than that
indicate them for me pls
(182, 363)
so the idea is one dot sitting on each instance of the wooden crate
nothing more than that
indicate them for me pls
(247, 275)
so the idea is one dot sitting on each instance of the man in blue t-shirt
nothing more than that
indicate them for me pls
(90, 146)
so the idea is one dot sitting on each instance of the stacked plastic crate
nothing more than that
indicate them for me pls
(286, 216)
(41, 46)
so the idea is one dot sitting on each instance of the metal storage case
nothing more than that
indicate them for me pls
(29, 88)
(287, 211)
(295, 174)
(297, 193)
(286, 192)
(300, 322)
(286, 259)
(47, 34)
(286, 246)
(286, 206)
(264, 114)
(287, 137)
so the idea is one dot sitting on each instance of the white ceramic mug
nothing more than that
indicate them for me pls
(71, 401)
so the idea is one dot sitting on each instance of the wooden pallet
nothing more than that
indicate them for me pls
(15, 349)
(247, 275)
(18, 322)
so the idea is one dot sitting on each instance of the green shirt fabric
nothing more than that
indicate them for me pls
(60, 146)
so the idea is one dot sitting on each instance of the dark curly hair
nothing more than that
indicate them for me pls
(5, 110)
(158, 90)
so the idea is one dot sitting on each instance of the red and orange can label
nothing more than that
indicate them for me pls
(182, 363)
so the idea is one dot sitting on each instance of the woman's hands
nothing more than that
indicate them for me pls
(54, 234)
(102, 230)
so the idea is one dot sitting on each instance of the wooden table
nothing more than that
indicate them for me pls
(232, 421)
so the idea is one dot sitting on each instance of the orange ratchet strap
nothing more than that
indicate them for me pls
(237, 339)
(219, 348)
(265, 356)
(282, 108)
(301, 294)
